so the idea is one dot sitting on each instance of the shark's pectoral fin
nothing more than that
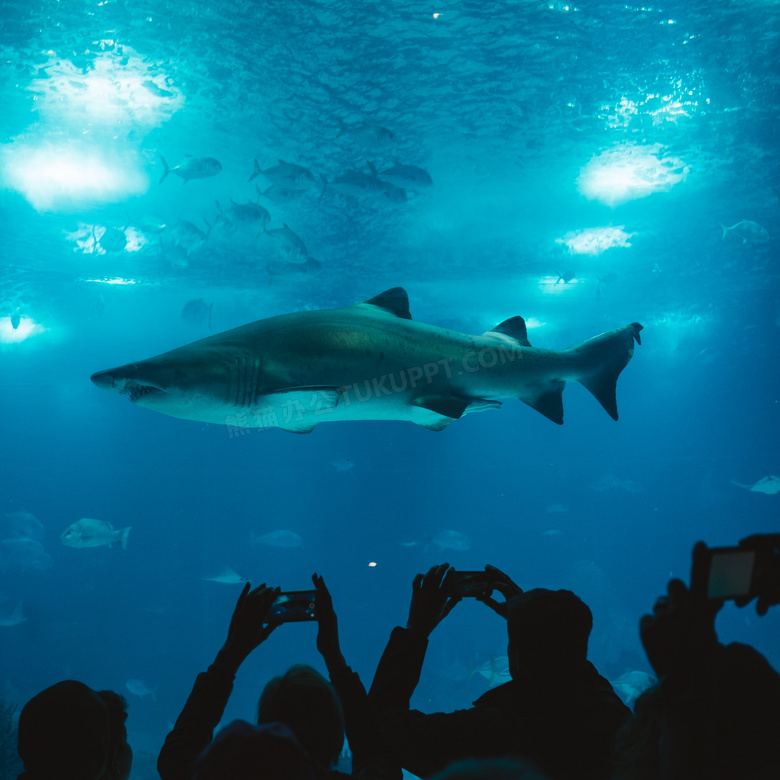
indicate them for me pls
(448, 408)
(549, 403)
(301, 428)
(299, 409)
(312, 397)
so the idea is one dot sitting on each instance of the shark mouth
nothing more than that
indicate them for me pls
(136, 391)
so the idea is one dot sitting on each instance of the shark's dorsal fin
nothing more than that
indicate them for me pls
(515, 328)
(394, 301)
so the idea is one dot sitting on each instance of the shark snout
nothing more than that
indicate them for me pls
(104, 380)
(126, 381)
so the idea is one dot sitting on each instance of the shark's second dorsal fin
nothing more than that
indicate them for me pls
(514, 327)
(394, 301)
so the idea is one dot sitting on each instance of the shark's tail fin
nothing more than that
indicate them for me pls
(166, 171)
(125, 532)
(602, 359)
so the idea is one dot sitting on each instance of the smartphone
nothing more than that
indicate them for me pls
(726, 573)
(469, 583)
(293, 605)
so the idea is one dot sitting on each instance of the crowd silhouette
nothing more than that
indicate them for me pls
(714, 712)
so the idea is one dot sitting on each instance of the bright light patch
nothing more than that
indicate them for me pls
(88, 239)
(26, 328)
(628, 173)
(115, 280)
(532, 323)
(372, 564)
(115, 86)
(595, 241)
(679, 319)
(67, 177)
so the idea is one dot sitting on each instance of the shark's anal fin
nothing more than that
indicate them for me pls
(394, 301)
(549, 403)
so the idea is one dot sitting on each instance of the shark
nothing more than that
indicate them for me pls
(368, 361)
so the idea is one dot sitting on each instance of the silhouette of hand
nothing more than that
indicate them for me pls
(505, 586)
(246, 630)
(430, 602)
(767, 576)
(681, 631)
(328, 634)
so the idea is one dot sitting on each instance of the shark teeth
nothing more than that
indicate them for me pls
(138, 391)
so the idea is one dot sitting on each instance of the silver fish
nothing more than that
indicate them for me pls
(288, 176)
(367, 134)
(89, 532)
(748, 231)
(407, 176)
(289, 243)
(192, 168)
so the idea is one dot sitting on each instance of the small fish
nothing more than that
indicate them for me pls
(356, 184)
(495, 671)
(769, 485)
(565, 277)
(15, 320)
(111, 240)
(140, 688)
(248, 213)
(88, 532)
(227, 577)
(611, 482)
(21, 525)
(148, 223)
(197, 312)
(606, 279)
(23, 554)
(311, 267)
(343, 464)
(367, 134)
(748, 231)
(155, 90)
(14, 619)
(289, 243)
(187, 236)
(554, 509)
(630, 685)
(281, 195)
(277, 539)
(451, 540)
(288, 176)
(407, 176)
(192, 168)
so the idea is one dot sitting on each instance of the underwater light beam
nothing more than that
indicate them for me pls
(59, 178)
(629, 172)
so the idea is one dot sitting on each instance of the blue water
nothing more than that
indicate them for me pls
(646, 127)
